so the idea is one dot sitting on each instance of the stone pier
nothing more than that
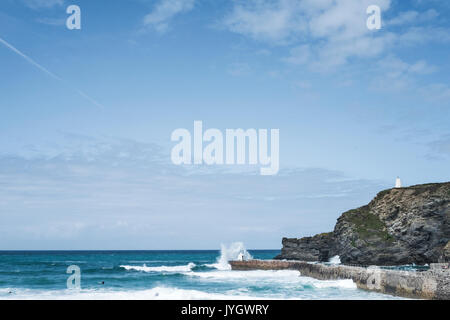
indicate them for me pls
(431, 284)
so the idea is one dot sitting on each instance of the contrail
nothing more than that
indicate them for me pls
(51, 74)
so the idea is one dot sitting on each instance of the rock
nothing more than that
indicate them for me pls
(445, 253)
(317, 248)
(400, 226)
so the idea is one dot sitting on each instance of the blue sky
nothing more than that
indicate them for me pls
(355, 108)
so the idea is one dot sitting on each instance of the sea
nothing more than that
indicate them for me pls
(166, 275)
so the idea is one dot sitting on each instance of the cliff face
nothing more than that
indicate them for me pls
(400, 226)
(315, 248)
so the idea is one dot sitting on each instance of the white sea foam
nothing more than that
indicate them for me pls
(171, 293)
(288, 278)
(228, 254)
(335, 260)
(144, 268)
(344, 284)
(275, 275)
(157, 293)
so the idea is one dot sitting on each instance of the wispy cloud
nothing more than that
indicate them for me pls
(127, 191)
(52, 21)
(42, 4)
(394, 75)
(239, 69)
(436, 92)
(327, 34)
(272, 21)
(282, 21)
(299, 55)
(409, 17)
(164, 11)
(440, 148)
(395, 67)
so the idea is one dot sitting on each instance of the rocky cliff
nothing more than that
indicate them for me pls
(400, 226)
(315, 248)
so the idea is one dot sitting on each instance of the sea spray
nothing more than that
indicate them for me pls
(335, 260)
(230, 253)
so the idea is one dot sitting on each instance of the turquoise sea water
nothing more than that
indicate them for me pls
(159, 275)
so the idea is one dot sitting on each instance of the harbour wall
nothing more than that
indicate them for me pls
(432, 284)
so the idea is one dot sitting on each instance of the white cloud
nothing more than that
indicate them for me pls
(299, 55)
(404, 17)
(398, 75)
(416, 36)
(395, 75)
(409, 17)
(52, 21)
(82, 189)
(395, 67)
(327, 32)
(273, 21)
(436, 92)
(327, 55)
(165, 11)
(422, 67)
(282, 20)
(43, 4)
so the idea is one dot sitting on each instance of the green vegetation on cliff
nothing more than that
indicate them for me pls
(367, 225)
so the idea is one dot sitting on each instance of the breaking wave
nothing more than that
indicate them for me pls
(174, 293)
(144, 268)
(228, 254)
(290, 278)
(335, 260)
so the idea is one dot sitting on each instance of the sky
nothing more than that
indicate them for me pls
(86, 117)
